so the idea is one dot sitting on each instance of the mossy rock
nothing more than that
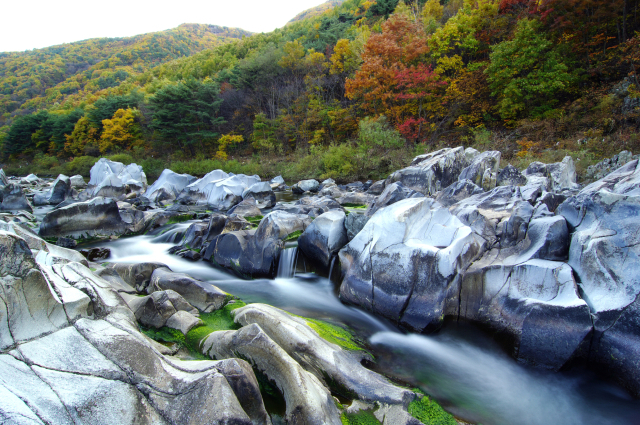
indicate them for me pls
(293, 236)
(363, 417)
(219, 320)
(180, 218)
(429, 412)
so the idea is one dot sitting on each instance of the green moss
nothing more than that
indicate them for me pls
(180, 218)
(164, 334)
(357, 206)
(293, 236)
(363, 417)
(254, 220)
(219, 320)
(429, 412)
(333, 333)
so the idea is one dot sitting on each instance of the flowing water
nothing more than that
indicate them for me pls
(460, 366)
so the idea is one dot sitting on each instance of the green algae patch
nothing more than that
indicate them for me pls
(363, 417)
(254, 220)
(355, 206)
(166, 336)
(293, 236)
(429, 412)
(219, 320)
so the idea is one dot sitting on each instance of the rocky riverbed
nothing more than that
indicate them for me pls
(547, 267)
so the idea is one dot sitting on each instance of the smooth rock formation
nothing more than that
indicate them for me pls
(457, 191)
(98, 217)
(605, 257)
(305, 186)
(432, 172)
(59, 191)
(313, 206)
(217, 190)
(114, 180)
(262, 193)
(71, 352)
(168, 186)
(483, 170)
(13, 199)
(202, 295)
(324, 237)
(392, 193)
(77, 181)
(255, 253)
(405, 264)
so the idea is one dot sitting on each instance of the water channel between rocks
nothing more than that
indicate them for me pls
(467, 372)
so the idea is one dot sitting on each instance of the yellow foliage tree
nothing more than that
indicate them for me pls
(120, 132)
(224, 142)
(84, 133)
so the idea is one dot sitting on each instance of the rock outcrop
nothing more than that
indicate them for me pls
(168, 186)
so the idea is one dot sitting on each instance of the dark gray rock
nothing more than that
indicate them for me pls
(96, 254)
(483, 170)
(66, 243)
(324, 237)
(392, 193)
(95, 218)
(13, 199)
(457, 191)
(377, 188)
(154, 310)
(510, 176)
(255, 253)
(354, 223)
(312, 206)
(202, 295)
(59, 191)
(262, 194)
(246, 208)
(432, 172)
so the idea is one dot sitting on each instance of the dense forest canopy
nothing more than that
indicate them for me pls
(531, 74)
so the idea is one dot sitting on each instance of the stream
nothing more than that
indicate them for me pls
(460, 366)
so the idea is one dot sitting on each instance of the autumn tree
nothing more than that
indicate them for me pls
(84, 133)
(120, 132)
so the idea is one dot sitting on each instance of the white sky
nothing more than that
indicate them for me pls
(27, 24)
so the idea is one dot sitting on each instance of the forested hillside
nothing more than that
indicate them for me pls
(39, 78)
(315, 11)
(357, 90)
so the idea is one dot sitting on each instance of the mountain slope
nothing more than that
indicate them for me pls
(315, 11)
(39, 78)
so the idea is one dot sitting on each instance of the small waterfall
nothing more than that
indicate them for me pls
(333, 261)
(286, 267)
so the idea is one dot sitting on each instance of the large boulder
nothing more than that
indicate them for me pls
(13, 199)
(98, 217)
(306, 186)
(432, 172)
(262, 193)
(77, 181)
(59, 191)
(483, 170)
(533, 305)
(324, 237)
(391, 194)
(255, 253)
(561, 176)
(458, 191)
(406, 263)
(355, 222)
(217, 190)
(202, 295)
(114, 180)
(510, 176)
(605, 256)
(168, 186)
